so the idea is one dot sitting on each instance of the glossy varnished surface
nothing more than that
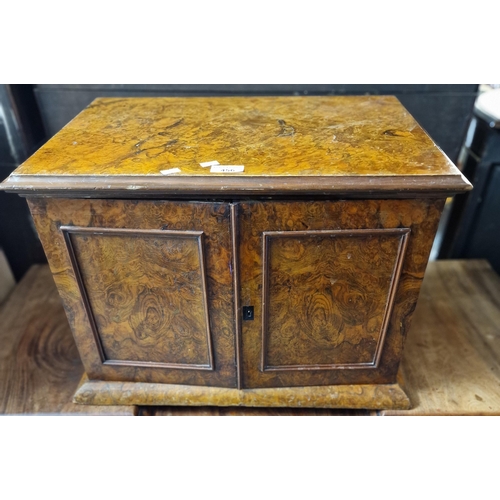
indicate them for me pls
(153, 289)
(331, 302)
(136, 300)
(147, 292)
(328, 297)
(123, 144)
(270, 136)
(369, 396)
(338, 303)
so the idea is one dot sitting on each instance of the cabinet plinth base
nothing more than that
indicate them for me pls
(369, 396)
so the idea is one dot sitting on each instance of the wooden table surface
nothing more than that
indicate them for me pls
(451, 362)
(452, 356)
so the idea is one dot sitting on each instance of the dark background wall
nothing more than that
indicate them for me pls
(21, 132)
(31, 114)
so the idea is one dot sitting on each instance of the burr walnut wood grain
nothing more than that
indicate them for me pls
(272, 136)
(333, 289)
(147, 294)
(319, 145)
(147, 287)
(369, 396)
(324, 237)
(327, 297)
(333, 286)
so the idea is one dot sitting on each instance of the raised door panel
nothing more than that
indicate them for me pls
(332, 285)
(146, 292)
(328, 296)
(147, 286)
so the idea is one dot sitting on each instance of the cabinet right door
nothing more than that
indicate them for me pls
(328, 288)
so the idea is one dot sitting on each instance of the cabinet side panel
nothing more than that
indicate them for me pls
(146, 285)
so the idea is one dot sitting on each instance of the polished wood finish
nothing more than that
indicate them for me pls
(452, 357)
(322, 242)
(123, 288)
(334, 292)
(128, 187)
(237, 302)
(324, 291)
(39, 363)
(276, 136)
(147, 287)
(315, 145)
(355, 396)
(146, 293)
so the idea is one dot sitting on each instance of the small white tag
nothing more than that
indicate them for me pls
(171, 171)
(209, 164)
(223, 169)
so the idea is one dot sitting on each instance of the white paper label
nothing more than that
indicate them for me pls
(227, 169)
(209, 164)
(171, 171)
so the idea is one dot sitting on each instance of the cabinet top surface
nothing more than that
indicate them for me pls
(312, 138)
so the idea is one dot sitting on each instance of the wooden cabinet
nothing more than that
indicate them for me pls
(291, 283)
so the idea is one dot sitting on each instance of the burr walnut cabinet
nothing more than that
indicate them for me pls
(286, 275)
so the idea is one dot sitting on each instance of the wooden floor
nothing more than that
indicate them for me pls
(451, 363)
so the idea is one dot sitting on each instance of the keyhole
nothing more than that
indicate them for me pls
(248, 313)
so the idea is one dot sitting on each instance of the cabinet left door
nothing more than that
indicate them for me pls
(146, 285)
